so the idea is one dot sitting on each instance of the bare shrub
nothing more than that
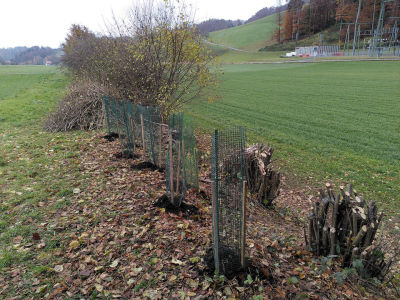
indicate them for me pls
(152, 56)
(81, 108)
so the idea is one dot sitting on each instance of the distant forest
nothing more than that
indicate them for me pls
(301, 19)
(211, 25)
(29, 56)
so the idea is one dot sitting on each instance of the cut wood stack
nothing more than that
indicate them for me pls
(263, 182)
(345, 226)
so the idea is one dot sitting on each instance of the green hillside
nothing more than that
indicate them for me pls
(251, 36)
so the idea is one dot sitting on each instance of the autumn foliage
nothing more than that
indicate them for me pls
(154, 56)
(302, 19)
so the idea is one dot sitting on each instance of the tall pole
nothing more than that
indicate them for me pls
(243, 241)
(355, 26)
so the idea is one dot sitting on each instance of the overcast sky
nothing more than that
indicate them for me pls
(46, 22)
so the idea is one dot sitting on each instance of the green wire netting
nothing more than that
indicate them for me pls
(181, 167)
(228, 172)
(137, 125)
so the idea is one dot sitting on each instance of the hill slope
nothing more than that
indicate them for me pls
(251, 36)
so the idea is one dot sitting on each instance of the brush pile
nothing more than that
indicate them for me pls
(262, 181)
(80, 109)
(344, 225)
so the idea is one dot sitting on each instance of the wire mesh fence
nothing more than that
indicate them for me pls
(190, 153)
(182, 167)
(120, 116)
(110, 117)
(175, 170)
(153, 137)
(137, 125)
(228, 175)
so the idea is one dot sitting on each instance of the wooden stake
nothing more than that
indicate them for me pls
(133, 135)
(171, 169)
(333, 241)
(335, 212)
(311, 229)
(178, 173)
(244, 199)
(144, 146)
(215, 225)
(305, 237)
(119, 136)
(354, 222)
(160, 142)
(360, 235)
(325, 238)
(368, 236)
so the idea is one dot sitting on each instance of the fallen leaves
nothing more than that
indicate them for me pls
(58, 268)
(41, 289)
(74, 244)
(176, 262)
(114, 264)
(117, 244)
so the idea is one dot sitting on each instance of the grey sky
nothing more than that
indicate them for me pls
(46, 22)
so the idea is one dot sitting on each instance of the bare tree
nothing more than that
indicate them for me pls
(152, 56)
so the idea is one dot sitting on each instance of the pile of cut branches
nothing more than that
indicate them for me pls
(80, 109)
(343, 225)
(262, 181)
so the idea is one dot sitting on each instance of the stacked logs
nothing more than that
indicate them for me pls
(263, 182)
(345, 226)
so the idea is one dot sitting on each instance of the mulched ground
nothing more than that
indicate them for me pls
(121, 238)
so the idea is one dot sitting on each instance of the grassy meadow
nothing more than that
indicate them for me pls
(228, 56)
(37, 169)
(333, 122)
(329, 121)
(251, 36)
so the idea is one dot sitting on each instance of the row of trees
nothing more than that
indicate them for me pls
(29, 56)
(302, 19)
(7, 54)
(205, 27)
(37, 56)
(211, 25)
(153, 56)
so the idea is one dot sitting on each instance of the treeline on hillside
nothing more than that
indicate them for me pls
(302, 19)
(205, 27)
(266, 11)
(29, 56)
(37, 56)
(7, 54)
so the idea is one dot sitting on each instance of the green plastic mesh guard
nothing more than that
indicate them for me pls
(135, 111)
(128, 142)
(120, 115)
(110, 117)
(182, 168)
(137, 125)
(228, 172)
(153, 136)
(175, 169)
(190, 153)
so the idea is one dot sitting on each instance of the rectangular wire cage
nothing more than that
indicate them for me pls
(190, 153)
(155, 135)
(109, 113)
(228, 175)
(120, 114)
(175, 169)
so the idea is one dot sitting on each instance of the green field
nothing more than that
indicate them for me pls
(251, 36)
(331, 121)
(34, 165)
(229, 56)
(27, 92)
